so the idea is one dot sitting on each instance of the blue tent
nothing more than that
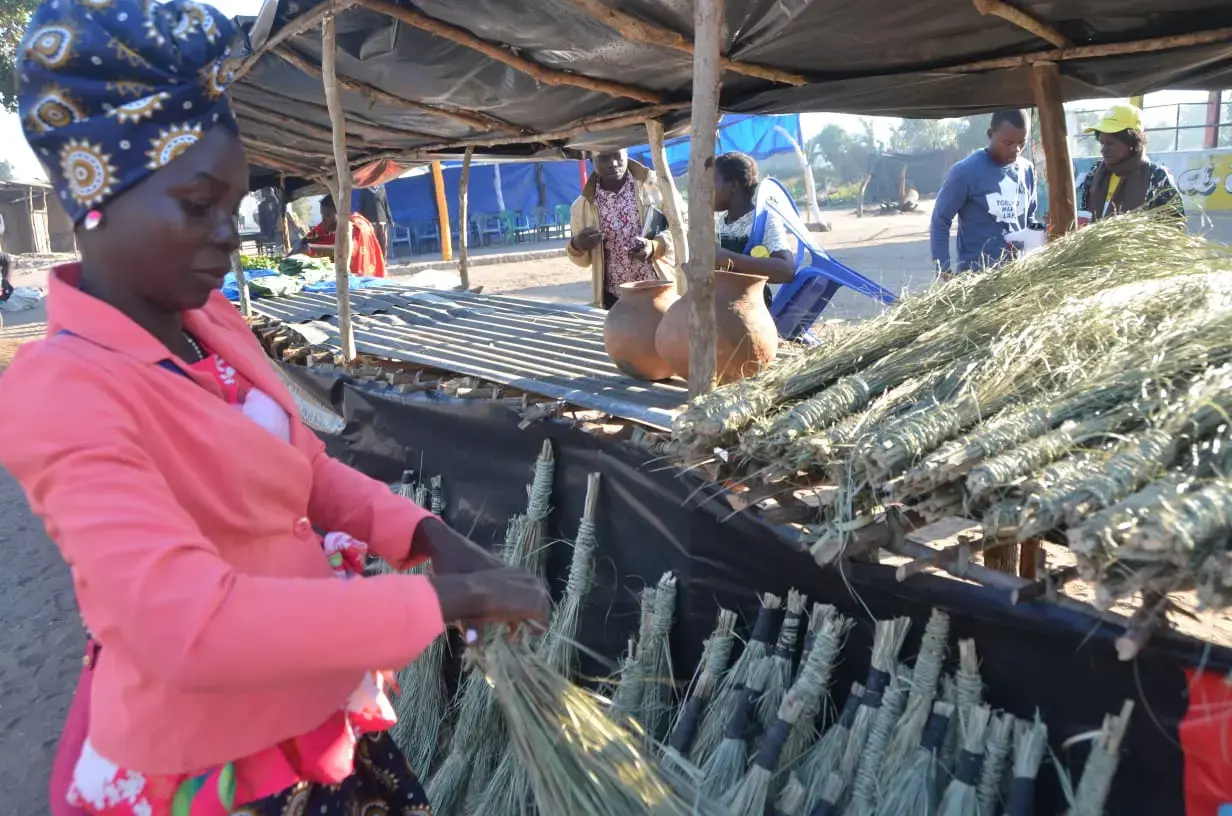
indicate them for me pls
(754, 135)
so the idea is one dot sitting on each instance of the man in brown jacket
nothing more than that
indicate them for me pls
(607, 222)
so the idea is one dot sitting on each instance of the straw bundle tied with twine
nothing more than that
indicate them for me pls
(961, 797)
(714, 723)
(830, 797)
(969, 693)
(813, 682)
(658, 699)
(752, 795)
(630, 681)
(724, 768)
(999, 743)
(1092, 793)
(558, 645)
(913, 788)
(1029, 749)
(888, 640)
(578, 759)
(919, 711)
(715, 654)
(823, 760)
(864, 790)
(781, 663)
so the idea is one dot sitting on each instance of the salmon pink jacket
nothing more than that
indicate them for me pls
(189, 531)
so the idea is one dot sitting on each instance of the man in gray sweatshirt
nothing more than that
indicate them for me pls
(992, 192)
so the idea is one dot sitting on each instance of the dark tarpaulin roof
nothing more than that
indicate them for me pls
(883, 57)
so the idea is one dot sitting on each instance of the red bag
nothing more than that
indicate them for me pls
(72, 738)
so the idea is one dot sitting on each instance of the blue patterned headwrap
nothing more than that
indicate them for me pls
(112, 90)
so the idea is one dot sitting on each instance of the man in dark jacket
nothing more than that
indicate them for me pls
(374, 205)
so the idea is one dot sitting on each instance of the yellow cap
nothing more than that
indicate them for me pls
(1117, 119)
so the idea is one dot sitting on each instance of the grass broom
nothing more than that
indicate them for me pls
(919, 711)
(996, 756)
(752, 795)
(628, 685)
(818, 616)
(969, 688)
(724, 769)
(831, 797)
(579, 761)
(790, 801)
(823, 759)
(558, 644)
(714, 723)
(715, 655)
(888, 640)
(1029, 752)
(658, 699)
(913, 788)
(813, 682)
(1101, 765)
(864, 790)
(782, 664)
(961, 797)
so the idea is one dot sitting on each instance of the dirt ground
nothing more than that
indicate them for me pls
(40, 655)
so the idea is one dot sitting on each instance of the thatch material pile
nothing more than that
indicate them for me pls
(1081, 392)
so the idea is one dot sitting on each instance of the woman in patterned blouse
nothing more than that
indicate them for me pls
(735, 196)
(1125, 180)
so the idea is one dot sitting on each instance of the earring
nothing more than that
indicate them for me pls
(93, 220)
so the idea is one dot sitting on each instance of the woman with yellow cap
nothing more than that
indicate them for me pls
(1124, 179)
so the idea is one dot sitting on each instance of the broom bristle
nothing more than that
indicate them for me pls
(813, 682)
(790, 801)
(558, 644)
(832, 790)
(752, 795)
(928, 664)
(725, 767)
(961, 797)
(658, 683)
(1029, 749)
(1101, 765)
(912, 791)
(996, 756)
(887, 643)
(824, 758)
(865, 788)
(784, 655)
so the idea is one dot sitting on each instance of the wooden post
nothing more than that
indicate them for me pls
(442, 211)
(241, 281)
(699, 271)
(667, 189)
(1046, 88)
(284, 220)
(342, 188)
(464, 182)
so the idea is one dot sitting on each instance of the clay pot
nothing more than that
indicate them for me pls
(745, 334)
(629, 330)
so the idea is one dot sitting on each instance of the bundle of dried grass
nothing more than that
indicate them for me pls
(968, 692)
(919, 711)
(961, 797)
(752, 795)
(1029, 749)
(813, 683)
(579, 761)
(558, 645)
(888, 639)
(997, 749)
(864, 791)
(715, 655)
(912, 790)
(631, 679)
(1101, 765)
(783, 660)
(830, 800)
(658, 699)
(790, 801)
(818, 616)
(724, 769)
(714, 723)
(822, 761)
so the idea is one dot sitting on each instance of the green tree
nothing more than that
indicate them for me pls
(14, 14)
(973, 133)
(844, 154)
(923, 136)
(6, 170)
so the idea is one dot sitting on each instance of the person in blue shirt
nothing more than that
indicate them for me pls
(992, 192)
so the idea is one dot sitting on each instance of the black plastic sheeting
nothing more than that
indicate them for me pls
(653, 519)
(867, 57)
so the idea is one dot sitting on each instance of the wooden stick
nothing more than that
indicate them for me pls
(1045, 587)
(464, 273)
(1081, 52)
(241, 281)
(265, 159)
(374, 95)
(1062, 207)
(285, 207)
(355, 124)
(293, 152)
(503, 54)
(1020, 18)
(293, 28)
(649, 34)
(699, 271)
(442, 211)
(671, 198)
(342, 193)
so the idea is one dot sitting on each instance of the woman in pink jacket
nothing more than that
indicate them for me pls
(233, 672)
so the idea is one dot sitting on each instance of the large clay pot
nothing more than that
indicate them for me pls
(745, 334)
(629, 330)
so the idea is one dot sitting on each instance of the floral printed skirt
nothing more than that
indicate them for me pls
(382, 785)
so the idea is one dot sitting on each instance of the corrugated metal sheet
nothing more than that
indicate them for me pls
(551, 349)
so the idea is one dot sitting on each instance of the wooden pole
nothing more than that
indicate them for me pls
(241, 281)
(285, 220)
(1023, 20)
(342, 189)
(699, 271)
(1083, 52)
(464, 183)
(1046, 88)
(671, 198)
(442, 211)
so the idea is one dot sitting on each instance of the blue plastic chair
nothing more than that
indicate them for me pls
(797, 305)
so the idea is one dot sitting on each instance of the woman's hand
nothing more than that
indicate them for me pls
(451, 552)
(504, 595)
(587, 239)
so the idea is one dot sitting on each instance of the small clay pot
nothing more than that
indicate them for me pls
(746, 338)
(629, 330)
